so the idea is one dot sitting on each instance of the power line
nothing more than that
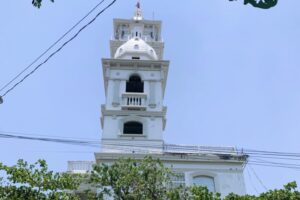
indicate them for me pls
(276, 163)
(251, 181)
(59, 49)
(44, 135)
(128, 147)
(257, 177)
(275, 157)
(271, 165)
(279, 155)
(51, 46)
(57, 140)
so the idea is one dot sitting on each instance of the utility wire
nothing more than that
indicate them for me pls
(251, 181)
(257, 177)
(280, 155)
(13, 133)
(51, 46)
(127, 147)
(275, 157)
(59, 49)
(271, 165)
(57, 140)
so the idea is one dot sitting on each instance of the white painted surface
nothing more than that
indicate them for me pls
(226, 172)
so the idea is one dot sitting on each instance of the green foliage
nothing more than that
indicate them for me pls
(133, 179)
(289, 192)
(125, 179)
(181, 193)
(192, 193)
(38, 3)
(35, 181)
(264, 4)
(199, 193)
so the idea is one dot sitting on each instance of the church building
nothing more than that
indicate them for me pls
(134, 117)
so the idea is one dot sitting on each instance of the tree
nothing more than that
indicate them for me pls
(35, 181)
(192, 193)
(132, 179)
(264, 4)
(125, 179)
(38, 3)
(288, 192)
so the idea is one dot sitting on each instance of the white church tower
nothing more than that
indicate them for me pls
(134, 117)
(135, 79)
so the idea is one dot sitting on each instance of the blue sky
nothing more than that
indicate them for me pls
(233, 79)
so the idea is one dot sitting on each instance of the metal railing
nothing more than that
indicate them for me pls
(80, 166)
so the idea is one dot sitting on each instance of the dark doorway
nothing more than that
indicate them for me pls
(133, 128)
(135, 84)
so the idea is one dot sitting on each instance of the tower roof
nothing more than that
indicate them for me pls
(136, 48)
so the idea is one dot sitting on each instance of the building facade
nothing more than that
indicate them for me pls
(134, 116)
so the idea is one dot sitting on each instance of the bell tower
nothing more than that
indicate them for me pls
(135, 78)
(134, 116)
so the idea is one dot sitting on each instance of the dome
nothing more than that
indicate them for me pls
(136, 48)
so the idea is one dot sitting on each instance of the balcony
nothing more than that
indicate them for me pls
(134, 101)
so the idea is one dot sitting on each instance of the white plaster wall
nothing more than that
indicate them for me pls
(227, 177)
(123, 75)
(113, 126)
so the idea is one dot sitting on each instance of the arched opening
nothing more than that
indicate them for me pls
(135, 84)
(133, 128)
(206, 181)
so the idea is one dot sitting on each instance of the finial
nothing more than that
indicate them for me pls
(138, 13)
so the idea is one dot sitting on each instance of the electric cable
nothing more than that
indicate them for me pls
(271, 165)
(51, 46)
(257, 177)
(251, 181)
(45, 135)
(56, 51)
(128, 147)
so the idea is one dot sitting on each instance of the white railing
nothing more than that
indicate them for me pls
(173, 148)
(80, 166)
(134, 100)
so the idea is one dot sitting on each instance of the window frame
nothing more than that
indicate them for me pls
(205, 177)
(131, 87)
(141, 128)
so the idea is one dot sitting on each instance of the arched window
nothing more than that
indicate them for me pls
(135, 84)
(133, 128)
(205, 181)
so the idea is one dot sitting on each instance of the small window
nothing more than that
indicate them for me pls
(135, 84)
(133, 128)
(205, 181)
(135, 58)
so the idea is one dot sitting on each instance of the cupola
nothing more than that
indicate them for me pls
(136, 48)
